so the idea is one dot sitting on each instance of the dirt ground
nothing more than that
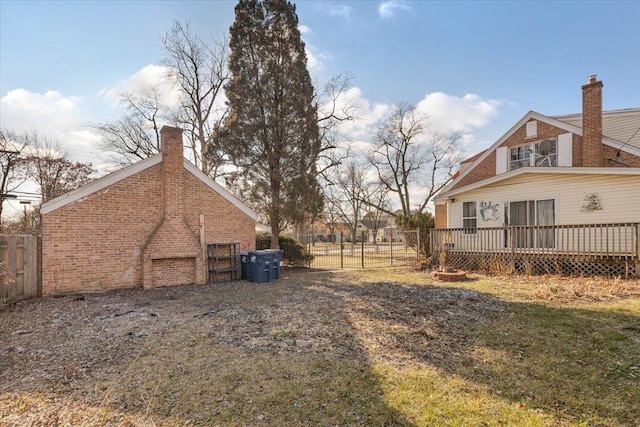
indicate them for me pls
(98, 349)
(70, 345)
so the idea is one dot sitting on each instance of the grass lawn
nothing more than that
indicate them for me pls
(386, 347)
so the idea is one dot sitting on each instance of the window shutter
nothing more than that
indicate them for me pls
(501, 159)
(565, 149)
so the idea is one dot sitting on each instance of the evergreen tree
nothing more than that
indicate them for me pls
(271, 132)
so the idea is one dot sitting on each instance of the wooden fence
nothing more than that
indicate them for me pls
(585, 249)
(19, 268)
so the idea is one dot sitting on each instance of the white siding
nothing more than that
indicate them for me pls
(619, 197)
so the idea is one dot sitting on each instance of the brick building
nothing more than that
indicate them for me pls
(145, 225)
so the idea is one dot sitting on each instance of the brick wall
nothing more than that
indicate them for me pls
(441, 215)
(223, 222)
(174, 271)
(128, 234)
(624, 157)
(487, 168)
(95, 243)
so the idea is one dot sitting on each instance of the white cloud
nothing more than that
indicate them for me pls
(305, 29)
(369, 115)
(444, 114)
(148, 78)
(37, 103)
(448, 113)
(341, 10)
(315, 57)
(388, 9)
(51, 114)
(312, 62)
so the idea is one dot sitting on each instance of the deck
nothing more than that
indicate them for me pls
(585, 249)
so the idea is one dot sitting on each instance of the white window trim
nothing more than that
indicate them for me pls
(531, 146)
(472, 230)
(509, 161)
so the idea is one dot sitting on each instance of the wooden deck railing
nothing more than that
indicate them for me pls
(594, 241)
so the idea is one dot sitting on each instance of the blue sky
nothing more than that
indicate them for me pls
(478, 66)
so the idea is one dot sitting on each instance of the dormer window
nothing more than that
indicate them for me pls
(546, 153)
(541, 153)
(520, 157)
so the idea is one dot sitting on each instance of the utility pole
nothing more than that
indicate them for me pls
(26, 222)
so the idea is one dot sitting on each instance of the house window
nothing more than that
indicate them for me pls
(541, 153)
(469, 217)
(529, 213)
(520, 157)
(546, 153)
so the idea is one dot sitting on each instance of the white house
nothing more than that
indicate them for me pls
(553, 184)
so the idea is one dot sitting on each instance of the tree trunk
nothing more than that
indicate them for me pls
(275, 234)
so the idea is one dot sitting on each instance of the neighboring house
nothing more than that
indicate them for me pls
(145, 225)
(375, 229)
(578, 172)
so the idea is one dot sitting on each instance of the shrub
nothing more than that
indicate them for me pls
(295, 254)
(421, 222)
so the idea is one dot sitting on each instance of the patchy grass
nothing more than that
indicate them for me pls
(380, 347)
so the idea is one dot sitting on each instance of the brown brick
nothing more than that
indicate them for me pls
(99, 242)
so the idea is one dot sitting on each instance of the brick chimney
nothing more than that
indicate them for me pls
(592, 123)
(172, 254)
(172, 172)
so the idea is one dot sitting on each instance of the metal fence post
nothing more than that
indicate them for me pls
(362, 236)
(341, 250)
(309, 245)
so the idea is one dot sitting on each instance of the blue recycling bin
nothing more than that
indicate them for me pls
(244, 263)
(259, 266)
(275, 256)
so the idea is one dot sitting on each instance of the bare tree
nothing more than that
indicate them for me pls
(333, 109)
(11, 165)
(346, 193)
(48, 165)
(377, 203)
(26, 223)
(198, 70)
(331, 217)
(136, 135)
(201, 71)
(403, 159)
(444, 159)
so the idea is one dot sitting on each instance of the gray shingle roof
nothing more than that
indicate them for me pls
(616, 124)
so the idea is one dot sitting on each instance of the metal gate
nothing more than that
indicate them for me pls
(365, 251)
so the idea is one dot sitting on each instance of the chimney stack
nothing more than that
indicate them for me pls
(172, 171)
(592, 123)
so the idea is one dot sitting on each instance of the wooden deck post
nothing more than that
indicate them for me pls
(637, 260)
